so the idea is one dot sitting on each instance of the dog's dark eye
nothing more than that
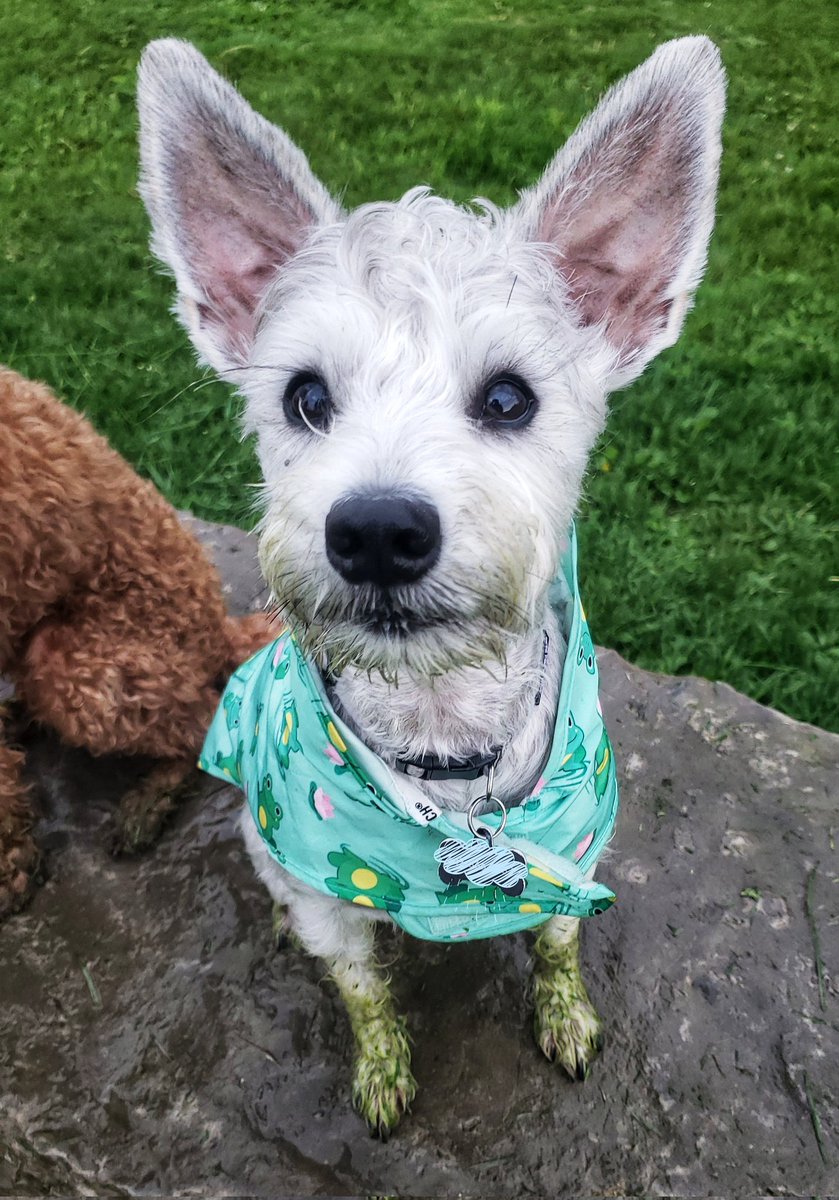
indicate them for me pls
(507, 403)
(307, 402)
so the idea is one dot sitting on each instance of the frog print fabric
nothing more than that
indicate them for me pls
(364, 882)
(333, 814)
(269, 813)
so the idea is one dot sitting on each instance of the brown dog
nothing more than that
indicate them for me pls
(112, 623)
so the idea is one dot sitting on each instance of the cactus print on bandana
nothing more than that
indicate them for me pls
(333, 814)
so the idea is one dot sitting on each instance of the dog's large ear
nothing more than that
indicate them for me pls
(230, 196)
(628, 203)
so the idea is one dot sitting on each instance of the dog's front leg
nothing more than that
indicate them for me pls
(342, 935)
(567, 1027)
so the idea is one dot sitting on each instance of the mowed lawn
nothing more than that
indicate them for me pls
(708, 527)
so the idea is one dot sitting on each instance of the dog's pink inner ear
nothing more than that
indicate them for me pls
(627, 205)
(238, 223)
(620, 222)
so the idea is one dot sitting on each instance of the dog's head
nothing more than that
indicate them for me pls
(426, 381)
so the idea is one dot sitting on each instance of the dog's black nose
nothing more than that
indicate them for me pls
(386, 540)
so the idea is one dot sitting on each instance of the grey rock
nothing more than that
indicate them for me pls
(153, 1041)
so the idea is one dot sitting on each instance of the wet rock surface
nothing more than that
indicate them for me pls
(152, 1040)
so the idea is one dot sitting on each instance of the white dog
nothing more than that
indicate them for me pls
(426, 382)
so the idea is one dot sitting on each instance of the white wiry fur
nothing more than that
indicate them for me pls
(406, 310)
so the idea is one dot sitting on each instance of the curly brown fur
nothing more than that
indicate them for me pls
(112, 623)
(19, 857)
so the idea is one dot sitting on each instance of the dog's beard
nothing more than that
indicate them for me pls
(424, 630)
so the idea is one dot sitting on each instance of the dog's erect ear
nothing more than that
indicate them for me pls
(230, 196)
(628, 203)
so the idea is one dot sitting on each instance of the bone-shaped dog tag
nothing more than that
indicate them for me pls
(482, 863)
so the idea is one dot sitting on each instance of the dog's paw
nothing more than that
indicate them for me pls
(145, 809)
(20, 870)
(139, 822)
(567, 1028)
(383, 1086)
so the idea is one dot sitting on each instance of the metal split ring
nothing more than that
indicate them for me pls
(470, 816)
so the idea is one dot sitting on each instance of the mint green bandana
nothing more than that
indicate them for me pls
(332, 813)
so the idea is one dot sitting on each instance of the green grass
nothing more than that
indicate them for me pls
(710, 514)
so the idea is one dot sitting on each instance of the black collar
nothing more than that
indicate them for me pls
(432, 767)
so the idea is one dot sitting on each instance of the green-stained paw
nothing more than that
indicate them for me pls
(140, 819)
(567, 1027)
(383, 1086)
(144, 810)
